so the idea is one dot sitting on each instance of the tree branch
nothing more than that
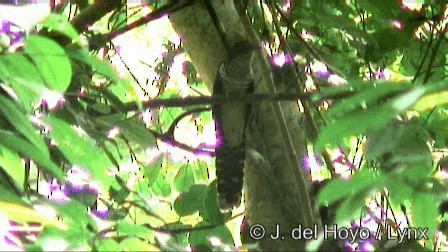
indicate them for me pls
(171, 7)
(250, 98)
(93, 13)
(168, 136)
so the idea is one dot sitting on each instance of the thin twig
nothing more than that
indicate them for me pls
(425, 55)
(180, 145)
(434, 54)
(168, 136)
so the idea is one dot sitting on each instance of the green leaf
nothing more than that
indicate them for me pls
(118, 191)
(51, 61)
(135, 244)
(397, 137)
(354, 124)
(75, 214)
(399, 190)
(119, 19)
(110, 119)
(369, 95)
(389, 39)
(211, 212)
(382, 10)
(404, 101)
(168, 115)
(127, 229)
(109, 245)
(80, 149)
(191, 201)
(24, 214)
(424, 212)
(364, 180)
(432, 100)
(152, 172)
(331, 92)
(138, 133)
(184, 179)
(12, 164)
(21, 122)
(7, 194)
(22, 146)
(59, 23)
(179, 241)
(23, 77)
(436, 123)
(101, 108)
(161, 187)
(202, 237)
(417, 172)
(201, 171)
(100, 66)
(412, 56)
(350, 208)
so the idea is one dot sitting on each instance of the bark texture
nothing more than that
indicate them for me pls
(275, 184)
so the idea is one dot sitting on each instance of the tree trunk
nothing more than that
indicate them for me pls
(275, 183)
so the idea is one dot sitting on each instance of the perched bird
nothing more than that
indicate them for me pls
(234, 77)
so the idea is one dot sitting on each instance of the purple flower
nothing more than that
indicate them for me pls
(6, 27)
(102, 214)
(83, 193)
(13, 32)
(56, 192)
(71, 190)
(78, 188)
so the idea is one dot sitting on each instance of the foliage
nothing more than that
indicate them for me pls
(80, 169)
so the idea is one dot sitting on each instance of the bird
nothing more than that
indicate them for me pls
(234, 77)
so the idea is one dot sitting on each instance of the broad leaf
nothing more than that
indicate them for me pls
(24, 78)
(350, 208)
(424, 212)
(370, 95)
(137, 132)
(365, 180)
(127, 229)
(100, 66)
(354, 124)
(152, 172)
(12, 164)
(161, 186)
(80, 150)
(184, 179)
(60, 24)
(26, 149)
(191, 201)
(22, 123)
(51, 61)
(211, 211)
(23, 214)
(135, 244)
